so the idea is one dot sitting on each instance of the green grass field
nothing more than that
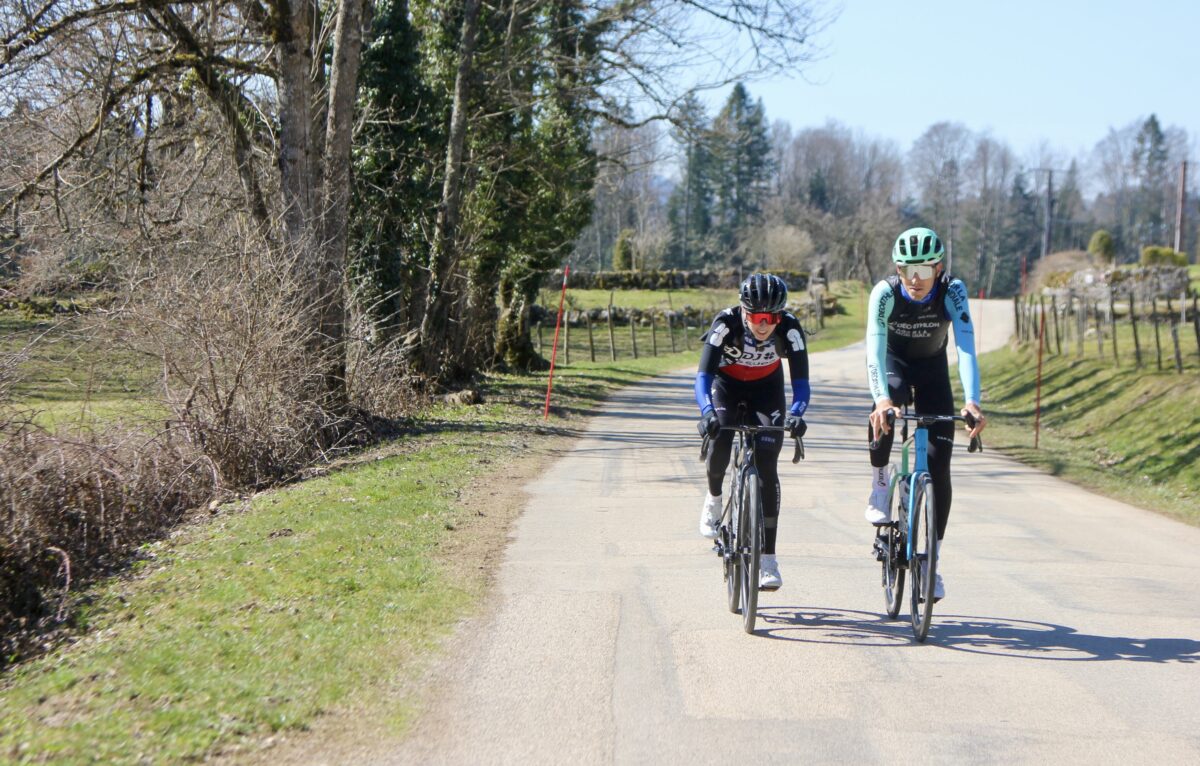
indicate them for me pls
(73, 372)
(1133, 434)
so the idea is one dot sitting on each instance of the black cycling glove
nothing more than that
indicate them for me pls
(795, 425)
(709, 424)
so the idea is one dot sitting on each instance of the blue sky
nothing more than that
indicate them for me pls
(1026, 72)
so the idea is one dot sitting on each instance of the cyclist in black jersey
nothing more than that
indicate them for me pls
(908, 319)
(742, 362)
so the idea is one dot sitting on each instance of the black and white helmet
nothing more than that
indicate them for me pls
(763, 292)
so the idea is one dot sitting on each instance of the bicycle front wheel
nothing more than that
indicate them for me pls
(731, 558)
(893, 558)
(923, 563)
(750, 545)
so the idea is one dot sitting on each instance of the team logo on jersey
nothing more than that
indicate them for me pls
(732, 352)
(717, 334)
(797, 339)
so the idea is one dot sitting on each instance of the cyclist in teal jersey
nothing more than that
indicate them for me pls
(908, 319)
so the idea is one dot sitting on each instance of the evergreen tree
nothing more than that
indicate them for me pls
(742, 149)
(1150, 171)
(395, 171)
(1071, 226)
(1020, 241)
(690, 207)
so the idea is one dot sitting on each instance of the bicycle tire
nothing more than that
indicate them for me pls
(751, 545)
(893, 570)
(731, 559)
(924, 546)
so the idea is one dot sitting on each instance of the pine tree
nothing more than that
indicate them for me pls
(1150, 171)
(742, 147)
(690, 208)
(1020, 241)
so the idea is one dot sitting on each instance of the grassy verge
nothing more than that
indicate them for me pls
(1131, 434)
(72, 372)
(292, 603)
(318, 597)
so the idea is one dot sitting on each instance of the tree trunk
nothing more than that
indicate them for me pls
(347, 54)
(435, 324)
(299, 165)
(513, 345)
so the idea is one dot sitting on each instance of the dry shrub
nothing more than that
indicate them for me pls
(77, 505)
(380, 381)
(243, 365)
(1055, 270)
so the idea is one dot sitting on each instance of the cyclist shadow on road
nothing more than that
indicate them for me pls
(999, 636)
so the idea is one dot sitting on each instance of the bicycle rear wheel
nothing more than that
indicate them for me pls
(731, 559)
(750, 545)
(893, 559)
(923, 563)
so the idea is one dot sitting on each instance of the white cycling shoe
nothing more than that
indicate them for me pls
(877, 507)
(710, 516)
(768, 573)
(939, 586)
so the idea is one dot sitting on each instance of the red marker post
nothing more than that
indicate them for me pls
(554, 349)
(1037, 418)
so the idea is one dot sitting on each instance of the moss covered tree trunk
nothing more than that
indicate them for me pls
(514, 347)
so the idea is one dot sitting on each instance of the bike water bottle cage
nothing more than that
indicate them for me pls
(758, 317)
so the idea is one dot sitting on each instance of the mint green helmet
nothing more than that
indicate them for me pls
(919, 245)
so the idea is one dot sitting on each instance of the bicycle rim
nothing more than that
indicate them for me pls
(893, 573)
(731, 560)
(924, 539)
(751, 544)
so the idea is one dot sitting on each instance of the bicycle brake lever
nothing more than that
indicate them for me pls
(976, 445)
(704, 449)
(799, 454)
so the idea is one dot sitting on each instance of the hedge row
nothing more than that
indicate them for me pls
(666, 279)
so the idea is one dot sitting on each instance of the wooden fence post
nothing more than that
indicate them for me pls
(1112, 322)
(1178, 354)
(1080, 327)
(591, 338)
(633, 334)
(653, 336)
(539, 338)
(671, 332)
(1017, 317)
(1099, 329)
(1196, 324)
(1057, 332)
(1137, 345)
(1154, 318)
(612, 343)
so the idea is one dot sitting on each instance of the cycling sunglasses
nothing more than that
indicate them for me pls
(917, 270)
(770, 317)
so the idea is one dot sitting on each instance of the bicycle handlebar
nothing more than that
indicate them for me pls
(797, 455)
(893, 415)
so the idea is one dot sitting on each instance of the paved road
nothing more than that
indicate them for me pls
(1070, 631)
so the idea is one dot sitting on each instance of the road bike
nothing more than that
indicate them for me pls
(909, 543)
(740, 535)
